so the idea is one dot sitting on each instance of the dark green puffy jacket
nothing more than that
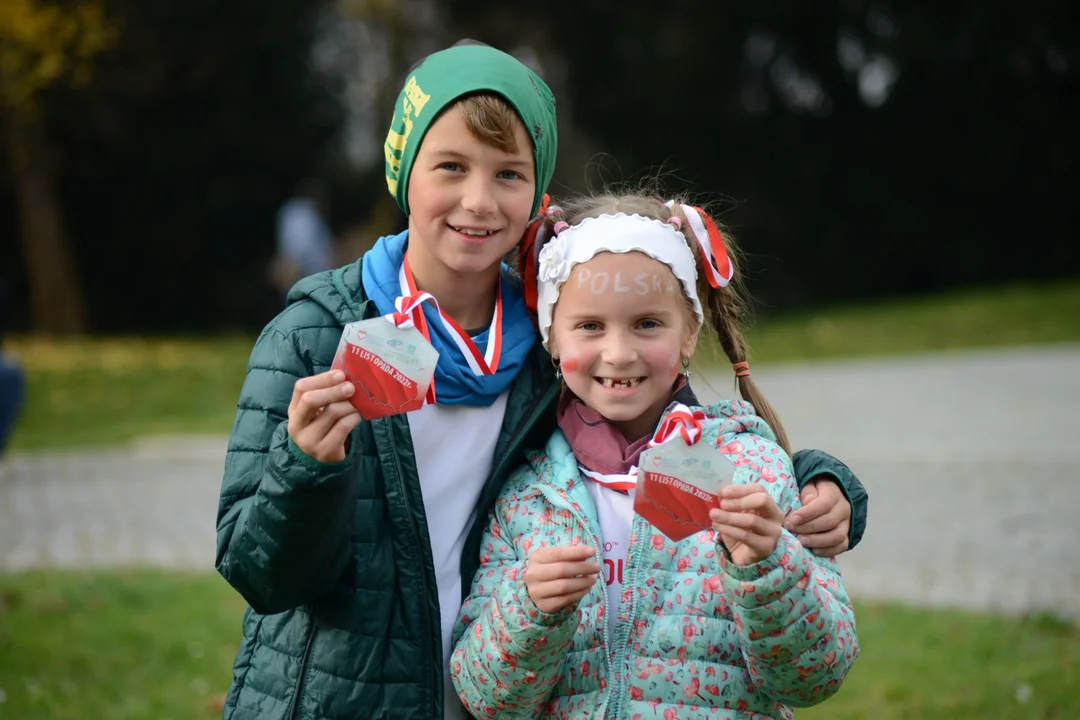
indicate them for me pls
(334, 559)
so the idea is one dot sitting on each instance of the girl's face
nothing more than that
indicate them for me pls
(619, 331)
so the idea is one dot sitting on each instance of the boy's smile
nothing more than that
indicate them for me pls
(469, 202)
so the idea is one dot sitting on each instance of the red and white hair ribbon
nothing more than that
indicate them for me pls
(680, 421)
(536, 234)
(718, 267)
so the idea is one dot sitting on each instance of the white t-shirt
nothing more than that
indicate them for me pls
(616, 513)
(453, 466)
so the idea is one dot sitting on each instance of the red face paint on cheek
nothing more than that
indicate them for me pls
(570, 365)
(678, 366)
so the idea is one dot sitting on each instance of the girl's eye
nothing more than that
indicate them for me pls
(648, 324)
(451, 166)
(589, 326)
(510, 175)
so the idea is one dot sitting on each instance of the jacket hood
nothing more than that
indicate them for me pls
(339, 291)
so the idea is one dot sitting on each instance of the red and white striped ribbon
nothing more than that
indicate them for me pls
(481, 363)
(680, 422)
(408, 309)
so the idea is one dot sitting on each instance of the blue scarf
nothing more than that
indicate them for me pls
(455, 382)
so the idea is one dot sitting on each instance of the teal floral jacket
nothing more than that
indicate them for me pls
(696, 636)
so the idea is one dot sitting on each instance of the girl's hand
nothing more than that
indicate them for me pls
(749, 522)
(557, 577)
(321, 416)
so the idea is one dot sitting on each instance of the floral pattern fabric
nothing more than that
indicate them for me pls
(696, 636)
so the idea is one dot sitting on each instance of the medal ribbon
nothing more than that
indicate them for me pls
(681, 421)
(481, 363)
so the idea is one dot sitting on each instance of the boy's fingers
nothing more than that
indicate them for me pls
(317, 382)
(826, 497)
(832, 551)
(328, 416)
(809, 493)
(313, 402)
(836, 537)
(344, 425)
(819, 516)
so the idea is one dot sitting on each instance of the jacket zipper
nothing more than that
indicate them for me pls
(552, 495)
(618, 690)
(294, 710)
(436, 692)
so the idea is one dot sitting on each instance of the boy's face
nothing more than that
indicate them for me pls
(469, 202)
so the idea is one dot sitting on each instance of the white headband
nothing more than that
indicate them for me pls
(619, 233)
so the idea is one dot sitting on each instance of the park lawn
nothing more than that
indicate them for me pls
(155, 645)
(104, 391)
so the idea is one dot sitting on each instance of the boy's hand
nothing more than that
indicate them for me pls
(560, 576)
(749, 522)
(823, 522)
(321, 417)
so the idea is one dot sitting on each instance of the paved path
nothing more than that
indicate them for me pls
(972, 460)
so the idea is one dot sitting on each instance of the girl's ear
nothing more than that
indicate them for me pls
(690, 343)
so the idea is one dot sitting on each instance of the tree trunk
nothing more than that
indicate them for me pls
(56, 294)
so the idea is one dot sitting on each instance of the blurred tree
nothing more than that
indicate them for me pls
(43, 44)
(196, 124)
(864, 147)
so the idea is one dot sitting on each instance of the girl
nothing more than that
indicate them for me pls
(737, 621)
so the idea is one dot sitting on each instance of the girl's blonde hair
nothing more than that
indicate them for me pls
(724, 308)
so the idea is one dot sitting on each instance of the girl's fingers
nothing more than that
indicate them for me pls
(564, 587)
(761, 503)
(761, 546)
(543, 572)
(748, 521)
(567, 600)
(730, 492)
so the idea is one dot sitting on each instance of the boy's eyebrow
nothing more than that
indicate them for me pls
(455, 155)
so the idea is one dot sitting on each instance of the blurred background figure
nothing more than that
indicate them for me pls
(12, 379)
(305, 242)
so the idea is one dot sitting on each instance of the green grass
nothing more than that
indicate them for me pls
(101, 391)
(156, 645)
(88, 392)
(1002, 316)
(119, 646)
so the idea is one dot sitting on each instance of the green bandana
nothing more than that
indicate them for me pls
(445, 76)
